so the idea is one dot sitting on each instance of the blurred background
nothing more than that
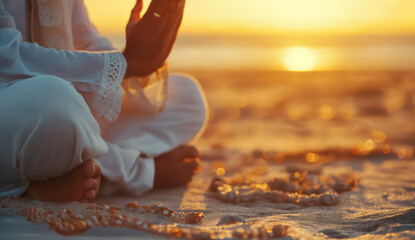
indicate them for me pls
(277, 34)
(296, 75)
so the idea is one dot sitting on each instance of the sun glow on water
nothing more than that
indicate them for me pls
(300, 59)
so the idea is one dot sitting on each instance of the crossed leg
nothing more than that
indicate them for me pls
(48, 140)
(166, 137)
(51, 139)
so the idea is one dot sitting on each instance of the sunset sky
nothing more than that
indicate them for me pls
(316, 17)
(302, 35)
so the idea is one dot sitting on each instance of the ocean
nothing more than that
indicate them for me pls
(332, 53)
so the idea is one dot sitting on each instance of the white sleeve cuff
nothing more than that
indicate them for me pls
(108, 99)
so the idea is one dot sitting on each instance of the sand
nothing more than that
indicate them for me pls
(333, 122)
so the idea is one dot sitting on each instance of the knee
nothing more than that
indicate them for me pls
(58, 113)
(52, 91)
(189, 100)
(191, 87)
(187, 81)
(56, 100)
(58, 105)
(48, 152)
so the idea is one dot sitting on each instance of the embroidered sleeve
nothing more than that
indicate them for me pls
(107, 102)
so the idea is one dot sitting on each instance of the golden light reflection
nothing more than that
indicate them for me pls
(405, 152)
(261, 186)
(312, 157)
(369, 144)
(191, 199)
(220, 172)
(300, 59)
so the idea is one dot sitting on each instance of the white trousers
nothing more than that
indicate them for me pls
(46, 130)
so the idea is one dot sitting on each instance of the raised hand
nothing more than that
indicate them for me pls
(151, 38)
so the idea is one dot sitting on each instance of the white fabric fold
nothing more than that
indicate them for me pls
(42, 71)
(125, 172)
(148, 95)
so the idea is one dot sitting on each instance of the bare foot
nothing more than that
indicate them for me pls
(177, 167)
(81, 184)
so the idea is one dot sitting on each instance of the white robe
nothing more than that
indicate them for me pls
(46, 100)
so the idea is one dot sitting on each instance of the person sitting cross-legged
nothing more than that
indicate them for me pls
(79, 118)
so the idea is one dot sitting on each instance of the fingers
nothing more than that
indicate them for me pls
(170, 21)
(159, 7)
(135, 16)
(169, 11)
(173, 36)
(153, 6)
(135, 12)
(171, 28)
(191, 165)
(163, 8)
(177, 13)
(164, 28)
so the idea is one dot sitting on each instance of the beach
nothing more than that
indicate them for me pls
(262, 125)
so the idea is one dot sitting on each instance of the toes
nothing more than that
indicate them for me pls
(90, 183)
(179, 153)
(89, 194)
(89, 168)
(190, 165)
(186, 151)
(97, 171)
